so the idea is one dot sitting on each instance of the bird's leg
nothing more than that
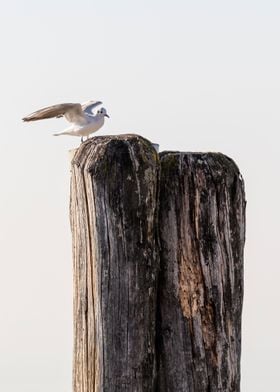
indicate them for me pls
(82, 139)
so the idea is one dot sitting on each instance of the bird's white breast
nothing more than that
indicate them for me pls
(94, 123)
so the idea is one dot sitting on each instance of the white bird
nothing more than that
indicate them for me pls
(83, 120)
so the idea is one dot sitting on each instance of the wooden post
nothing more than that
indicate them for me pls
(113, 211)
(138, 327)
(202, 230)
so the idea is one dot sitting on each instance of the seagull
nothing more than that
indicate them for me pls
(81, 117)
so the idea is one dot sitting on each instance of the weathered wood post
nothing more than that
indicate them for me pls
(113, 212)
(202, 233)
(158, 268)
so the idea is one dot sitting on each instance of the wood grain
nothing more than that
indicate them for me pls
(202, 233)
(158, 246)
(113, 210)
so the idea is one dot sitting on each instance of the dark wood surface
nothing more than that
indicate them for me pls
(113, 211)
(202, 230)
(158, 268)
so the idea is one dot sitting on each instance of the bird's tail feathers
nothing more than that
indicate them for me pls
(61, 133)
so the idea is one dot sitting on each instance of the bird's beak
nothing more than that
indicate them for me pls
(107, 115)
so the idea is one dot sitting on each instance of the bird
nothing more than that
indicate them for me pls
(81, 117)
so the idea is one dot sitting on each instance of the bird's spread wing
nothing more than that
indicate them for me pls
(71, 111)
(87, 107)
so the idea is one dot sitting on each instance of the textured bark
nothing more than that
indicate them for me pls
(158, 268)
(113, 211)
(202, 229)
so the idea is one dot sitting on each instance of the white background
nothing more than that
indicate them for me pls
(189, 75)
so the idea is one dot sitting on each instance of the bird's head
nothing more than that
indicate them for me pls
(103, 112)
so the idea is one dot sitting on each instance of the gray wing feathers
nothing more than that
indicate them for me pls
(87, 107)
(72, 111)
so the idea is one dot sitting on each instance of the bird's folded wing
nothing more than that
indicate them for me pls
(71, 111)
(88, 107)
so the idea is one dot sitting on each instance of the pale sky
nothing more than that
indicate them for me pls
(189, 75)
